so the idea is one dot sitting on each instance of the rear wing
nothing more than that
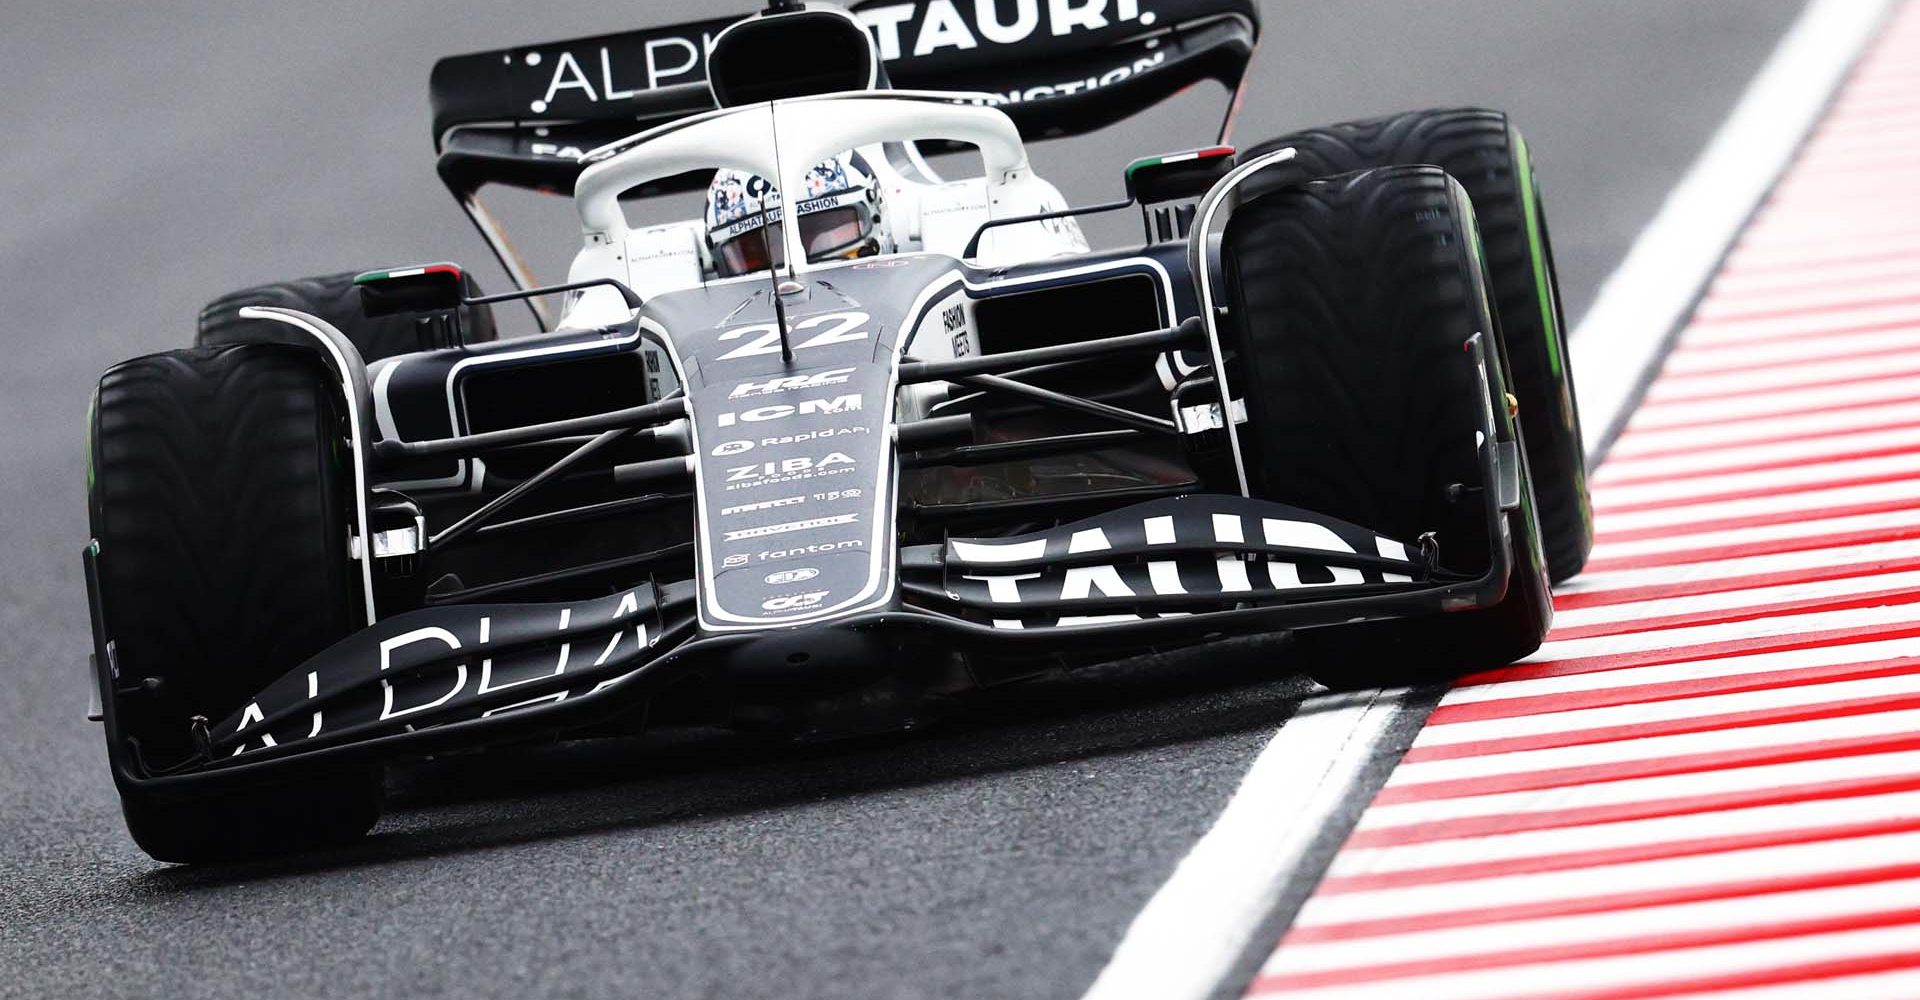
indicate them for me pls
(523, 116)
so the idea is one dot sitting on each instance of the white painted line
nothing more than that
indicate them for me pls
(1592, 927)
(1800, 450)
(1734, 600)
(1885, 343)
(1577, 722)
(1637, 580)
(1803, 218)
(1901, 984)
(1695, 635)
(1797, 401)
(1811, 503)
(1652, 748)
(1839, 320)
(1763, 381)
(1667, 788)
(1647, 970)
(1745, 261)
(1798, 476)
(1852, 277)
(1195, 928)
(1651, 290)
(1793, 819)
(1710, 542)
(1807, 425)
(1605, 880)
(1749, 665)
(1782, 231)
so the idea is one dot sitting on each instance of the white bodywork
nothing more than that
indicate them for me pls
(783, 139)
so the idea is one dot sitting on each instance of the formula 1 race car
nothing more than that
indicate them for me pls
(824, 466)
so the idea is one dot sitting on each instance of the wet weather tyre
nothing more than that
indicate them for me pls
(1350, 302)
(1485, 152)
(334, 298)
(219, 500)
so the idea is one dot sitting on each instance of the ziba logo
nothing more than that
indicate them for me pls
(788, 466)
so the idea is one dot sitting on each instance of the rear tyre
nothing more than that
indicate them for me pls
(334, 298)
(218, 498)
(1486, 154)
(1350, 300)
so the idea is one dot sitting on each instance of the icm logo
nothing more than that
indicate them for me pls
(794, 602)
(787, 576)
(725, 448)
(849, 403)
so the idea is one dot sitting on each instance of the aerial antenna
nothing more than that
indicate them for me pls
(766, 245)
(773, 276)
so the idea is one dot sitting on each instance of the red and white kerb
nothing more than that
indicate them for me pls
(1707, 782)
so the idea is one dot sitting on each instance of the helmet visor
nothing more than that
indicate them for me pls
(834, 230)
(824, 234)
(749, 252)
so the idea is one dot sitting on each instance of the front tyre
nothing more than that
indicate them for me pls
(1485, 152)
(1349, 302)
(219, 500)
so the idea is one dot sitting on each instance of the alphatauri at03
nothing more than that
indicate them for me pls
(1326, 395)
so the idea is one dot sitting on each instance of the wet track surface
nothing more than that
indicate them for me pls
(156, 158)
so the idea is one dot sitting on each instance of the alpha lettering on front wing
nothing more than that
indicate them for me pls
(438, 665)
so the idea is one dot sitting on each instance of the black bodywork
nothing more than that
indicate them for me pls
(768, 533)
(829, 559)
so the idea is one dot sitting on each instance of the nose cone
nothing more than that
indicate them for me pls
(794, 455)
(814, 660)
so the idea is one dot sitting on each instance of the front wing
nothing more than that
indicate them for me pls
(1167, 572)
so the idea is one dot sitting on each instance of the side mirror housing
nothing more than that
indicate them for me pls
(1160, 183)
(1152, 180)
(422, 289)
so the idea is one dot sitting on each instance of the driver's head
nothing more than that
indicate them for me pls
(840, 216)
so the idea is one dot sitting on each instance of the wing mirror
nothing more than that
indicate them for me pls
(426, 288)
(434, 296)
(1161, 183)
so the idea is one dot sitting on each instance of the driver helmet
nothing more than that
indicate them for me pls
(841, 217)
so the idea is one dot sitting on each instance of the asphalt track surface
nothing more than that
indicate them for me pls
(158, 155)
